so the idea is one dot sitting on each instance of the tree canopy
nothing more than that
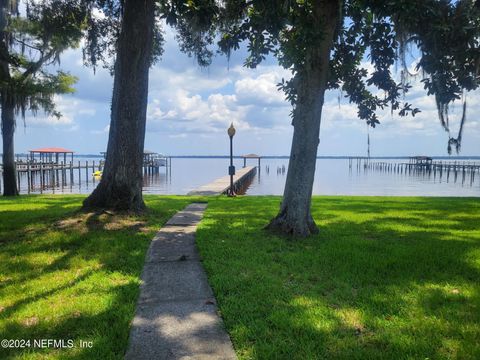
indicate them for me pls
(30, 42)
(33, 42)
(445, 34)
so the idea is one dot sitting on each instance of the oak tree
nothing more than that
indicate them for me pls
(324, 43)
(130, 33)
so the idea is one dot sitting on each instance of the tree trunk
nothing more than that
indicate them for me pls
(121, 185)
(8, 109)
(294, 217)
(8, 157)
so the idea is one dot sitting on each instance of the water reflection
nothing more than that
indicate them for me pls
(388, 177)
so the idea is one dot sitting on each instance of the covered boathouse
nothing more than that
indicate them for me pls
(50, 155)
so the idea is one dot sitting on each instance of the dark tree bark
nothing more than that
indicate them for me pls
(121, 185)
(294, 217)
(8, 157)
(8, 110)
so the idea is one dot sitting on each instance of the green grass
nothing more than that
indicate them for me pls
(386, 278)
(64, 275)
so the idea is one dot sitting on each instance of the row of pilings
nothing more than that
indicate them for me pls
(45, 176)
(466, 170)
(38, 176)
(241, 186)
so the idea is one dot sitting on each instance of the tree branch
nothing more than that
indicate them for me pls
(27, 45)
(34, 67)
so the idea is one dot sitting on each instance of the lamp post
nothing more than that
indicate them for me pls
(231, 169)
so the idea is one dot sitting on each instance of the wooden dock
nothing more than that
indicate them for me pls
(221, 185)
(48, 175)
(41, 175)
(465, 169)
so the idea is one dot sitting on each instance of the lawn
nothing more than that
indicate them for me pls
(386, 278)
(64, 275)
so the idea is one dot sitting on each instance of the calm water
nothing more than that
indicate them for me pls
(333, 177)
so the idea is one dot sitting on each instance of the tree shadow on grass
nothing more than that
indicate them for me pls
(383, 279)
(107, 329)
(75, 280)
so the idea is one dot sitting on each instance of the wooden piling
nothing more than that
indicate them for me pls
(18, 177)
(28, 177)
(52, 175)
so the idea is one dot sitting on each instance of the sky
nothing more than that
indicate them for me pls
(190, 109)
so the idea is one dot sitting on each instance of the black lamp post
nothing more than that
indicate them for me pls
(231, 169)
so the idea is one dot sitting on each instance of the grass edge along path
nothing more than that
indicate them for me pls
(176, 316)
(386, 278)
(69, 276)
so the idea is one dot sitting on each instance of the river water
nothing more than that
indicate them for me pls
(333, 177)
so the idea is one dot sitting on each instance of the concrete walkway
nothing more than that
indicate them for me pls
(222, 184)
(176, 315)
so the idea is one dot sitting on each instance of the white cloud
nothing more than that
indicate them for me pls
(190, 109)
(42, 121)
(180, 104)
(72, 110)
(261, 90)
(191, 113)
(426, 123)
(177, 136)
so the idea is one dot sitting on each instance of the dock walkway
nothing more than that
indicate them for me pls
(222, 184)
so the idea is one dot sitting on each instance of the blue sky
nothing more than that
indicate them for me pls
(190, 109)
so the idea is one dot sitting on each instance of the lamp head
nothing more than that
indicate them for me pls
(231, 130)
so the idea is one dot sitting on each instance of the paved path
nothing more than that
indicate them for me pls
(176, 315)
(222, 184)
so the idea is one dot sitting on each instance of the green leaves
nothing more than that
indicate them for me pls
(35, 41)
(37, 93)
(445, 34)
(289, 89)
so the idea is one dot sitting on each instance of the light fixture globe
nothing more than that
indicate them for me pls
(231, 130)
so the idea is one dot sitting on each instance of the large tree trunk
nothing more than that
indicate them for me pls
(294, 217)
(121, 185)
(8, 157)
(8, 109)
